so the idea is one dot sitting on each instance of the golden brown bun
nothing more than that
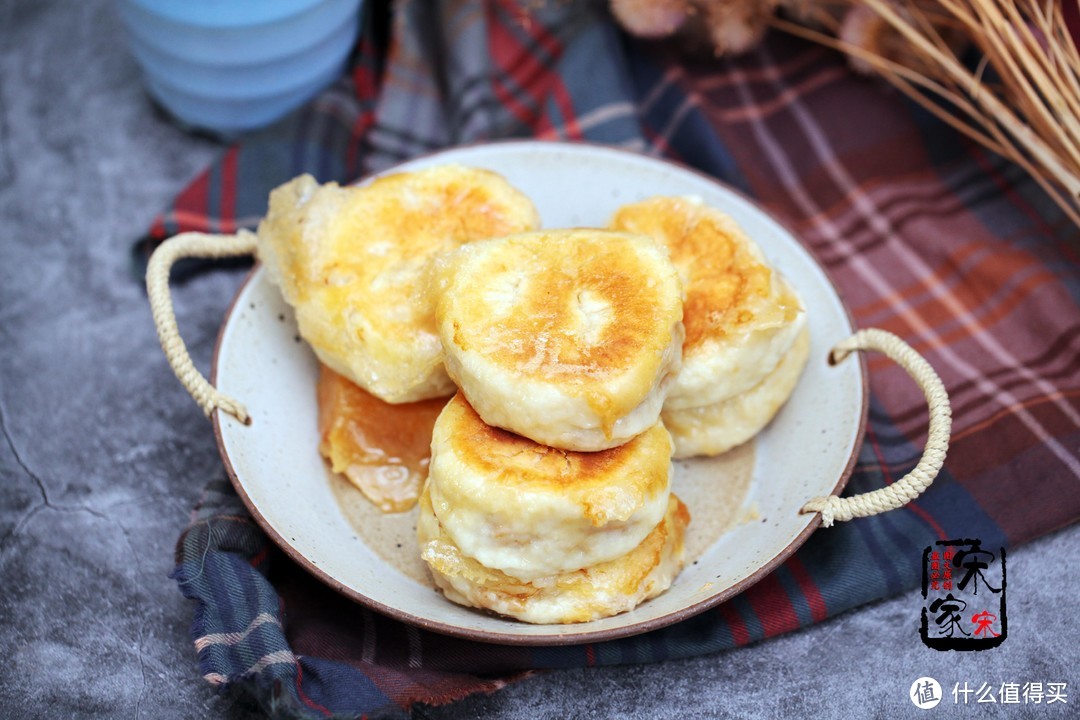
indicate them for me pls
(740, 315)
(355, 263)
(530, 510)
(568, 337)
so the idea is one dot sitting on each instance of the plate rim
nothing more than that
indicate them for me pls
(572, 638)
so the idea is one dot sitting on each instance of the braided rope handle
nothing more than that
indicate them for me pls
(191, 245)
(913, 484)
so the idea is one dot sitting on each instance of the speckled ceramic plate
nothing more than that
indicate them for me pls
(745, 507)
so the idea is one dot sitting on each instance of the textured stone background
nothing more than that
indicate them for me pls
(103, 454)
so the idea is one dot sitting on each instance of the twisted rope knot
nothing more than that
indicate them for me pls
(909, 487)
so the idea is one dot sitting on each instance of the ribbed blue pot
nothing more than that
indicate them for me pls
(233, 65)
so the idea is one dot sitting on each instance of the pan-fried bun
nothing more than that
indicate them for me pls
(530, 510)
(741, 317)
(579, 596)
(568, 337)
(713, 429)
(355, 263)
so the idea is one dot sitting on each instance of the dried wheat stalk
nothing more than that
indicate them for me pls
(1029, 112)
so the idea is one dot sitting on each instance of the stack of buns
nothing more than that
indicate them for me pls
(549, 491)
(546, 535)
(584, 360)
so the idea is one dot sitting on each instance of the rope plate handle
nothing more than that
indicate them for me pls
(191, 245)
(913, 484)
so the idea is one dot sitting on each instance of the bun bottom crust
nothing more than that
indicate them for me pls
(588, 594)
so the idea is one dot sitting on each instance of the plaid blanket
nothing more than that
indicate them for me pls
(926, 235)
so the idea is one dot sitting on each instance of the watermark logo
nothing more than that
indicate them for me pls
(963, 589)
(1035, 692)
(925, 693)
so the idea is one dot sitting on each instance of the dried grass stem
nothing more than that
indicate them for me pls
(1021, 101)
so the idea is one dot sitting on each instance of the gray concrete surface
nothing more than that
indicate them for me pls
(102, 455)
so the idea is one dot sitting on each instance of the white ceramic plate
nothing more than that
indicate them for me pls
(808, 450)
